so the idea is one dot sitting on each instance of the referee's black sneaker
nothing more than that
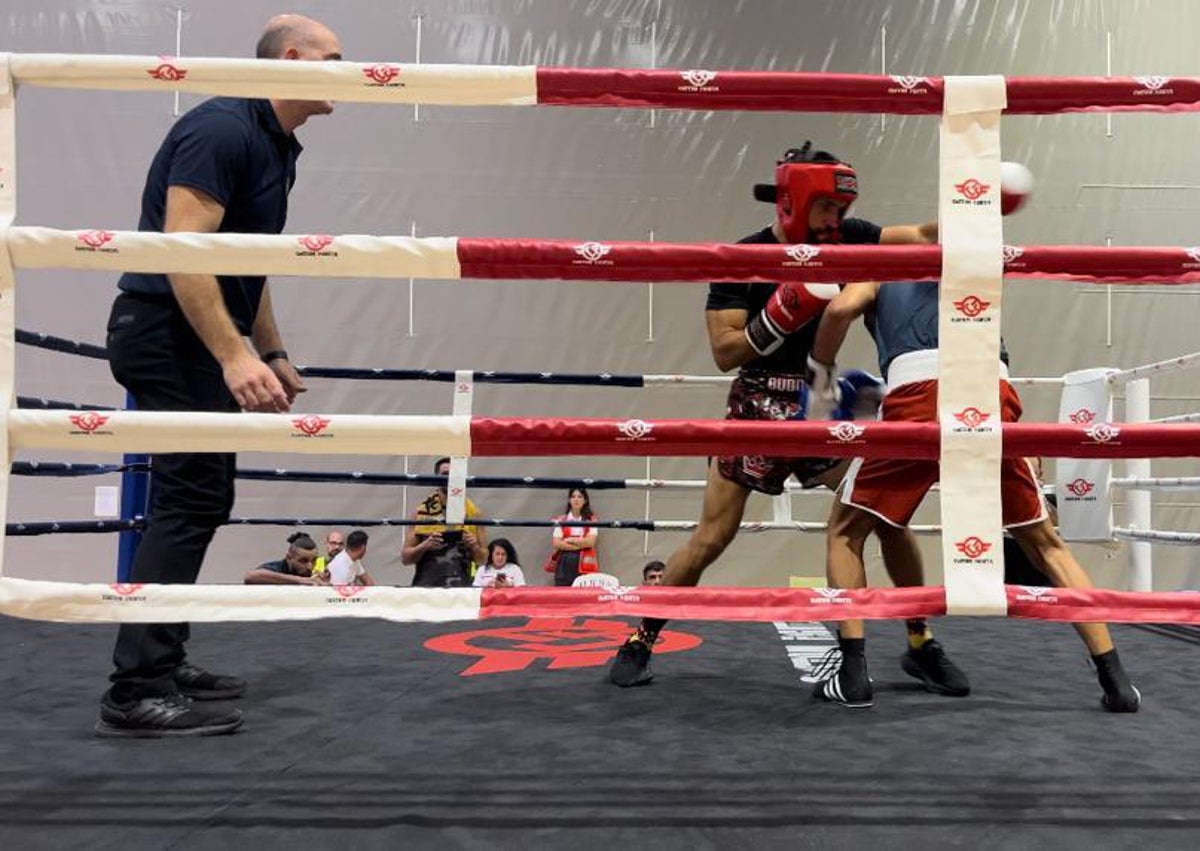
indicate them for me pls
(162, 715)
(199, 684)
(933, 667)
(632, 665)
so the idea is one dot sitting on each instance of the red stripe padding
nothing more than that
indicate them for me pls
(866, 438)
(715, 603)
(807, 92)
(1102, 605)
(544, 259)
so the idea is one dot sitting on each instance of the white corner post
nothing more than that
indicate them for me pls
(8, 280)
(969, 342)
(1138, 513)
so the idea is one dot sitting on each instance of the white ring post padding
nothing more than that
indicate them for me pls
(969, 360)
(456, 487)
(1139, 509)
(362, 82)
(197, 431)
(1082, 485)
(132, 603)
(8, 280)
(307, 255)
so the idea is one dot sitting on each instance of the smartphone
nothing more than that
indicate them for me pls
(452, 536)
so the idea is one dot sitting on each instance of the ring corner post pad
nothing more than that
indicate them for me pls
(8, 282)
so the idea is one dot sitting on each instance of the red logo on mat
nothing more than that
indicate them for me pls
(124, 589)
(381, 74)
(167, 71)
(316, 243)
(972, 306)
(972, 547)
(972, 189)
(1083, 416)
(345, 591)
(93, 239)
(1081, 487)
(563, 642)
(88, 422)
(972, 417)
(311, 425)
(1103, 433)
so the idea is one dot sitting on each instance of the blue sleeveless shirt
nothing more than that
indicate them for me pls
(905, 319)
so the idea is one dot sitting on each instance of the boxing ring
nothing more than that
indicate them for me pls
(1060, 780)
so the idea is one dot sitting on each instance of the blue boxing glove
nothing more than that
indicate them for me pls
(859, 396)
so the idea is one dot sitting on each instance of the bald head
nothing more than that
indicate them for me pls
(297, 37)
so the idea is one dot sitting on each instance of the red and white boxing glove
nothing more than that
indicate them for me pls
(1016, 185)
(792, 306)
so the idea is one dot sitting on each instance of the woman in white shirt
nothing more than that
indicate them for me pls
(575, 546)
(502, 569)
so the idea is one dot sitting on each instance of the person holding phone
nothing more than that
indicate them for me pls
(502, 569)
(444, 556)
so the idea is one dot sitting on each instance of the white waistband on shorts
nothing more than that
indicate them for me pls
(912, 367)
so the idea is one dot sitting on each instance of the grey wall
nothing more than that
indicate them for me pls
(601, 174)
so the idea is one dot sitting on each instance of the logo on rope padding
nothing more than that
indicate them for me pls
(593, 253)
(909, 85)
(972, 191)
(635, 429)
(972, 547)
(802, 255)
(1154, 85)
(1103, 433)
(847, 432)
(829, 596)
(564, 642)
(971, 307)
(167, 71)
(88, 422)
(94, 240)
(698, 81)
(972, 418)
(1036, 594)
(347, 594)
(1083, 416)
(1193, 254)
(381, 74)
(314, 245)
(124, 592)
(1011, 254)
(311, 426)
(1080, 487)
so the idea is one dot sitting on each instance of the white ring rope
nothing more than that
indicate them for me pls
(1188, 361)
(1186, 539)
(1158, 483)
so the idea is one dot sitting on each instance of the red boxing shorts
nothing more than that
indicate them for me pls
(892, 489)
(769, 396)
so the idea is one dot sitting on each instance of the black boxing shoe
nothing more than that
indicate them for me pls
(933, 667)
(631, 667)
(199, 684)
(842, 676)
(161, 716)
(1120, 695)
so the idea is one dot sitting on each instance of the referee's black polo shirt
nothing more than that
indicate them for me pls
(234, 150)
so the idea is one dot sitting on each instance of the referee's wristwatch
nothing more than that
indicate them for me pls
(277, 354)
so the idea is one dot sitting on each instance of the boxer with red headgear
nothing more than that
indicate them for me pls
(766, 331)
(804, 178)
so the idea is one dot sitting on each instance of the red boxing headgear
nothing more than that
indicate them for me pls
(800, 178)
